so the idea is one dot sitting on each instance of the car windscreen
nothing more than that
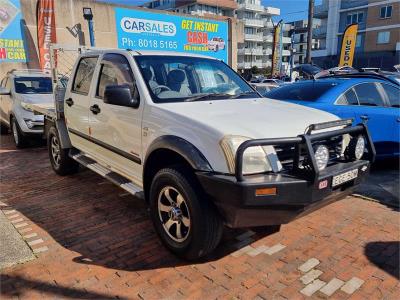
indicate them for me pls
(185, 79)
(307, 91)
(33, 85)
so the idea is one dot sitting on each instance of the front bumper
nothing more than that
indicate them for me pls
(296, 191)
(295, 197)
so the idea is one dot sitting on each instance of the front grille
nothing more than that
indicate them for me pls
(287, 153)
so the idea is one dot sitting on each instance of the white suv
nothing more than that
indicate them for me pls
(18, 90)
(202, 146)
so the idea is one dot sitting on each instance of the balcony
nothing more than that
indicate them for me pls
(285, 53)
(272, 11)
(251, 7)
(249, 65)
(268, 37)
(266, 64)
(254, 23)
(250, 51)
(321, 11)
(286, 40)
(269, 24)
(319, 32)
(267, 51)
(253, 37)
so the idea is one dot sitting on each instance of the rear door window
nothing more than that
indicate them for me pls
(348, 98)
(368, 94)
(393, 94)
(83, 75)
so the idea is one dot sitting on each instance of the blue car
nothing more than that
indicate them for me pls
(370, 99)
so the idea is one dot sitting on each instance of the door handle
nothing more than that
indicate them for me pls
(69, 101)
(95, 109)
(398, 119)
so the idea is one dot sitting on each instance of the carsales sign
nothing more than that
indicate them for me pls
(12, 48)
(142, 30)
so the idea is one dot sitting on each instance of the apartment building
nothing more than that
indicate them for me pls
(378, 38)
(196, 7)
(300, 34)
(255, 50)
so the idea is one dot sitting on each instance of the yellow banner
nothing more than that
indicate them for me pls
(348, 45)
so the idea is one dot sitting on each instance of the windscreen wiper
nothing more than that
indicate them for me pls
(205, 96)
(245, 94)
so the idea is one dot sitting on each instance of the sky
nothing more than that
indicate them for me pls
(291, 10)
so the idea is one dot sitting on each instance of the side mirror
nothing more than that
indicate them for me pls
(4, 91)
(121, 95)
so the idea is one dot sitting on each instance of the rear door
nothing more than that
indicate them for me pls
(373, 112)
(116, 130)
(77, 102)
(392, 95)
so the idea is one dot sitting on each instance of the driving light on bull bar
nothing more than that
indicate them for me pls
(356, 148)
(321, 156)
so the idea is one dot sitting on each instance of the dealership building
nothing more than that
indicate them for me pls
(123, 26)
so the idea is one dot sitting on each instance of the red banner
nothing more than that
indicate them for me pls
(46, 31)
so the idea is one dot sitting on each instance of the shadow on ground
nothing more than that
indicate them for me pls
(88, 215)
(383, 184)
(385, 255)
(16, 286)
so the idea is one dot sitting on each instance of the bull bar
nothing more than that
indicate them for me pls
(306, 139)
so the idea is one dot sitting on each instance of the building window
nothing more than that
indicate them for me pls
(383, 37)
(353, 18)
(386, 12)
(358, 41)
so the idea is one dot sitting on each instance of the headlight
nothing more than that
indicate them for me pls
(25, 106)
(29, 123)
(356, 148)
(321, 156)
(254, 158)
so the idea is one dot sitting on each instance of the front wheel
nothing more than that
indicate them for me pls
(19, 139)
(60, 161)
(186, 222)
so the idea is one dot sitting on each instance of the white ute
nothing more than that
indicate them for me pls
(200, 145)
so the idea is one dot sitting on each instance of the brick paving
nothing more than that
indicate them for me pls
(99, 243)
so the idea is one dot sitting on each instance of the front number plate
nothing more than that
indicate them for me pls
(342, 178)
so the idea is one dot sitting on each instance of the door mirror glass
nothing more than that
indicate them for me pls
(4, 91)
(121, 95)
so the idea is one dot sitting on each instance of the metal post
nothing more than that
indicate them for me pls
(309, 29)
(91, 33)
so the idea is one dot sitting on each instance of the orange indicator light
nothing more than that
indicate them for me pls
(266, 191)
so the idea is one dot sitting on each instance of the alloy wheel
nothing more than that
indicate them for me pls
(174, 214)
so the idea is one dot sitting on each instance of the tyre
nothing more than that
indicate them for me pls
(186, 222)
(19, 140)
(3, 129)
(60, 161)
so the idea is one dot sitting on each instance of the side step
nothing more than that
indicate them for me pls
(115, 178)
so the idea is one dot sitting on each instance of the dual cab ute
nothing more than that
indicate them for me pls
(200, 144)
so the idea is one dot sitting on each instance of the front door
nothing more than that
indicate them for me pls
(373, 112)
(116, 130)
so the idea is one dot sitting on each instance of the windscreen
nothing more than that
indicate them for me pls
(33, 85)
(307, 91)
(185, 79)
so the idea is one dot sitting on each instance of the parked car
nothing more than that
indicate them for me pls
(305, 72)
(264, 88)
(204, 150)
(216, 43)
(366, 98)
(18, 89)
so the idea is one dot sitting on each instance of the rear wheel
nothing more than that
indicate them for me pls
(19, 140)
(60, 161)
(186, 222)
